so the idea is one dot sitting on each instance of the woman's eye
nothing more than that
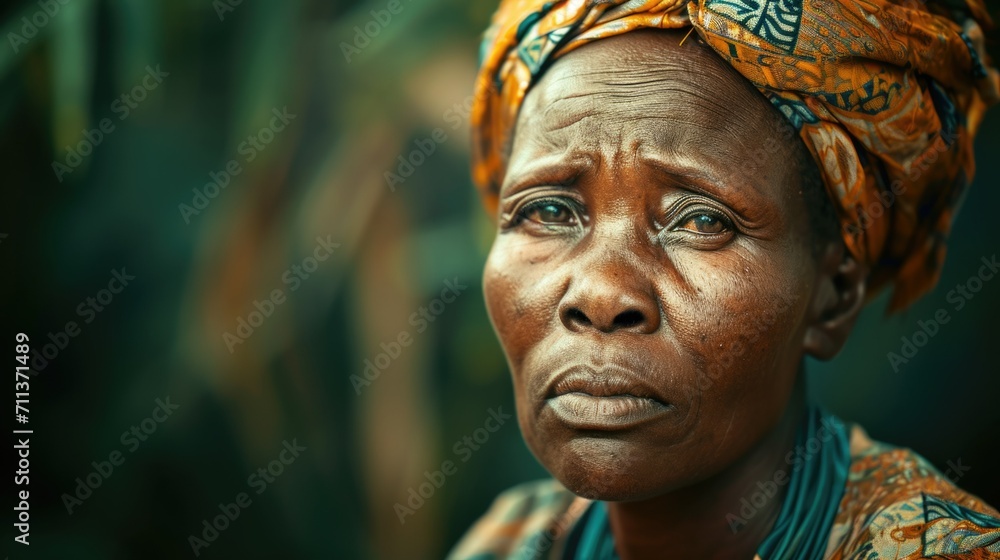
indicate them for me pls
(705, 224)
(547, 212)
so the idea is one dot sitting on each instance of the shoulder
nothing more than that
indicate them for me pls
(897, 505)
(530, 520)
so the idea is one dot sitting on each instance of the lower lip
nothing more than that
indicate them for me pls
(587, 412)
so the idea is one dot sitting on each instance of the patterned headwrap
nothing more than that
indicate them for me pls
(886, 94)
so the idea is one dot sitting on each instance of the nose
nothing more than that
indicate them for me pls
(607, 299)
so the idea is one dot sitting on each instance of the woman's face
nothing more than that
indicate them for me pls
(652, 273)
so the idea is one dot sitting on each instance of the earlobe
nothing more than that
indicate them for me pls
(837, 302)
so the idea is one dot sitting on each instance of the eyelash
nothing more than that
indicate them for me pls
(521, 214)
(574, 207)
(704, 211)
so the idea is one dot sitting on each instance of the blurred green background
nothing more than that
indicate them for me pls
(221, 68)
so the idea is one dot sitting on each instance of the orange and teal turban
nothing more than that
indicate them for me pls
(886, 94)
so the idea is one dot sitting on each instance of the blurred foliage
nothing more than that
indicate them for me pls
(229, 66)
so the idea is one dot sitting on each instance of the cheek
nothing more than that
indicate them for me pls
(744, 336)
(519, 299)
(747, 340)
(507, 303)
(503, 293)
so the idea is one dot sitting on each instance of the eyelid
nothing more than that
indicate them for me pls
(689, 206)
(514, 205)
(564, 201)
(685, 218)
(570, 205)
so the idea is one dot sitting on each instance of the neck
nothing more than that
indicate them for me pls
(695, 522)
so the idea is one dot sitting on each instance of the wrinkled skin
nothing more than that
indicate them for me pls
(647, 244)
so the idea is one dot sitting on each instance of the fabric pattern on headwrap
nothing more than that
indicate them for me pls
(887, 95)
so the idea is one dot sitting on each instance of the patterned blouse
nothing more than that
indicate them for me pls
(895, 505)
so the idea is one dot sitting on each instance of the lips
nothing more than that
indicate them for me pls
(607, 398)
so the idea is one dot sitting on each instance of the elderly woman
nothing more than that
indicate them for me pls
(692, 197)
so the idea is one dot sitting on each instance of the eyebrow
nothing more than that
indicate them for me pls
(562, 170)
(702, 181)
(559, 169)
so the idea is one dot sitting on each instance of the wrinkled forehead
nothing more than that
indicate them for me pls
(650, 94)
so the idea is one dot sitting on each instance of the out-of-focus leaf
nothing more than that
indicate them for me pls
(72, 72)
(137, 38)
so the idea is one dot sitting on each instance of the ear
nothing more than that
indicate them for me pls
(837, 301)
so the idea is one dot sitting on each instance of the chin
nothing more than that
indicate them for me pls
(607, 468)
(619, 486)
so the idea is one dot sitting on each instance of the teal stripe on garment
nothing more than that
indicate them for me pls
(596, 540)
(814, 491)
(807, 514)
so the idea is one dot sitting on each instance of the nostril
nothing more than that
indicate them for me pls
(574, 315)
(629, 318)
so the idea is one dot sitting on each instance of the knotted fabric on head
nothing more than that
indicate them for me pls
(886, 94)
